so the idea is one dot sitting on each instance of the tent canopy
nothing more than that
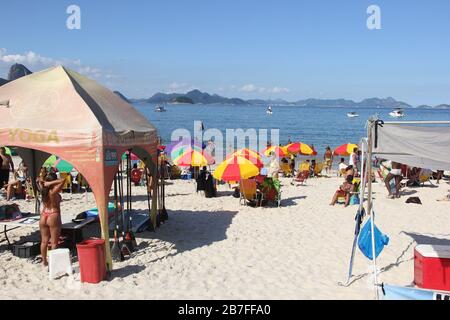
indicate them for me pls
(58, 111)
(414, 144)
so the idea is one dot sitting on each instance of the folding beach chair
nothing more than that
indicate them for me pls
(249, 192)
(285, 169)
(318, 169)
(425, 176)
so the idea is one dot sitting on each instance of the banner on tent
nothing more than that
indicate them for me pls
(111, 157)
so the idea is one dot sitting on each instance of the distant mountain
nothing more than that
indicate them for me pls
(17, 71)
(372, 102)
(121, 96)
(3, 81)
(196, 96)
(182, 99)
(442, 106)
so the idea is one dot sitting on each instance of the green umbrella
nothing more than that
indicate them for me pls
(63, 166)
(50, 161)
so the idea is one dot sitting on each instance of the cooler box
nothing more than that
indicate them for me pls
(432, 267)
(91, 255)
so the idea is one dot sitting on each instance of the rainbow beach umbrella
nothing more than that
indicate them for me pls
(345, 150)
(300, 148)
(280, 152)
(236, 168)
(194, 158)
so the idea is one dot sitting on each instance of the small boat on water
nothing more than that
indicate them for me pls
(160, 109)
(352, 114)
(397, 113)
(269, 110)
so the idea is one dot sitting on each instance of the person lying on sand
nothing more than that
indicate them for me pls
(344, 191)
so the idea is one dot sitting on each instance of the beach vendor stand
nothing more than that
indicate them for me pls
(58, 111)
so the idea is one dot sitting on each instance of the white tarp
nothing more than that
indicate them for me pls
(414, 145)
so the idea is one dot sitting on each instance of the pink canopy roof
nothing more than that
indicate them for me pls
(58, 111)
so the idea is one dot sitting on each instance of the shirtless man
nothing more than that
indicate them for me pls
(394, 173)
(6, 163)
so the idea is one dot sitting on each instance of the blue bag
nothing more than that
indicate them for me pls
(365, 240)
(354, 199)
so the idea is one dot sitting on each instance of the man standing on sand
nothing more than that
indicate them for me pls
(6, 163)
(353, 161)
(395, 172)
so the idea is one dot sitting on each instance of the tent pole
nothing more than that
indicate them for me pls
(369, 202)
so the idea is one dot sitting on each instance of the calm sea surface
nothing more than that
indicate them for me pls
(320, 126)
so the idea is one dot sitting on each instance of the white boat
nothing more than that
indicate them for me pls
(269, 110)
(352, 115)
(160, 109)
(397, 113)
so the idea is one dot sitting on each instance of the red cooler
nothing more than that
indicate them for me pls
(432, 267)
(91, 255)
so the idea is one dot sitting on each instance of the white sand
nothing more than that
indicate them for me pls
(217, 249)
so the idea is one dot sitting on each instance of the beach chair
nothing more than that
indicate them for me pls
(302, 177)
(249, 192)
(318, 169)
(341, 172)
(285, 169)
(68, 181)
(425, 176)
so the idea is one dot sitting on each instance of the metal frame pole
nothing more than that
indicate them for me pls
(370, 202)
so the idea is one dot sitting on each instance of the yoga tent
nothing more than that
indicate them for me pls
(58, 111)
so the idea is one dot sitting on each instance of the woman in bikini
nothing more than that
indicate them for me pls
(50, 223)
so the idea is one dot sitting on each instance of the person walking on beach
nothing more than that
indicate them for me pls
(328, 157)
(50, 222)
(6, 163)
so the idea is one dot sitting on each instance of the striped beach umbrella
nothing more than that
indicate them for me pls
(194, 158)
(345, 150)
(280, 152)
(236, 168)
(300, 148)
(251, 155)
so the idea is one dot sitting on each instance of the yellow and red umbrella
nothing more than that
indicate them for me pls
(251, 155)
(236, 168)
(345, 150)
(301, 148)
(280, 152)
(194, 158)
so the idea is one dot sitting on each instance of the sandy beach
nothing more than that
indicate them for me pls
(216, 248)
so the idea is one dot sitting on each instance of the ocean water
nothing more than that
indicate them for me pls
(320, 126)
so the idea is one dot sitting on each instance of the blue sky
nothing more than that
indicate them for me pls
(247, 48)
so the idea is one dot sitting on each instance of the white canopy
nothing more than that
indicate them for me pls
(414, 144)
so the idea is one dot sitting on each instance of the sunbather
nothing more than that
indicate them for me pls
(14, 189)
(50, 223)
(328, 158)
(344, 191)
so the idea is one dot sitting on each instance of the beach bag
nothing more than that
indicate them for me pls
(414, 200)
(354, 200)
(9, 212)
(365, 240)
